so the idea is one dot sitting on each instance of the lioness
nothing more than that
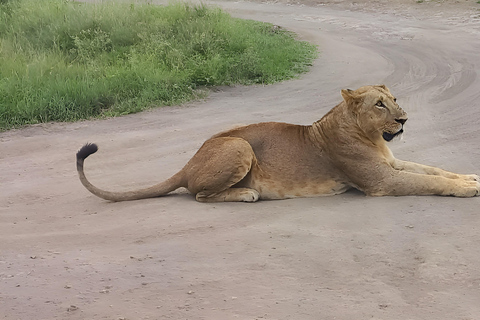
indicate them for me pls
(345, 149)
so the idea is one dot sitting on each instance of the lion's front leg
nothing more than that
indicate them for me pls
(403, 183)
(428, 170)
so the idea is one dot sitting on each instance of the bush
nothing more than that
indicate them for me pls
(63, 61)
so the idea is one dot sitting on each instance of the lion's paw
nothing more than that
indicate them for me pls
(250, 195)
(473, 177)
(469, 189)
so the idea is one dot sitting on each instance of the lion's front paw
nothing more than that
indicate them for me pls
(468, 189)
(473, 177)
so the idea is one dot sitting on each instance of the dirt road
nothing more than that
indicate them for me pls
(65, 254)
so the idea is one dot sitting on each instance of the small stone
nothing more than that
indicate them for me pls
(67, 286)
(190, 292)
(72, 308)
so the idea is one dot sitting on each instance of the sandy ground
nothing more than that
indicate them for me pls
(66, 254)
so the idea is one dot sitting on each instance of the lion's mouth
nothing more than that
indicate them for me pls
(389, 136)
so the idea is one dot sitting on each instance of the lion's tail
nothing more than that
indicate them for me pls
(157, 190)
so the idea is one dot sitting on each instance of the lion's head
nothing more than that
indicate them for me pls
(376, 111)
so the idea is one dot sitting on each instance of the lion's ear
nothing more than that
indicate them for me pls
(384, 87)
(348, 95)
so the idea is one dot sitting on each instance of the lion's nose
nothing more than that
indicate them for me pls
(402, 121)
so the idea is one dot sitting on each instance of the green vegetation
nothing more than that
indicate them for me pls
(63, 61)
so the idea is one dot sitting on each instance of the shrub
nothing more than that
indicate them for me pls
(62, 60)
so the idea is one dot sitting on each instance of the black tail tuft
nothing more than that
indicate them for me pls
(86, 150)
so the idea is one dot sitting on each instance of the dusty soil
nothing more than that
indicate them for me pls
(65, 254)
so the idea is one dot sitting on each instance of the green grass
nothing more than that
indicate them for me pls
(65, 61)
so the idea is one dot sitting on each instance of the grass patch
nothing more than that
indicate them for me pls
(64, 61)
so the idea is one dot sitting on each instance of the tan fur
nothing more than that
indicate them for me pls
(344, 149)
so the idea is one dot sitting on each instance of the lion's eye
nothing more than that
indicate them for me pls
(380, 104)
(395, 99)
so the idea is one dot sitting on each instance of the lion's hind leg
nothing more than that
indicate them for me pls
(218, 165)
(231, 194)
